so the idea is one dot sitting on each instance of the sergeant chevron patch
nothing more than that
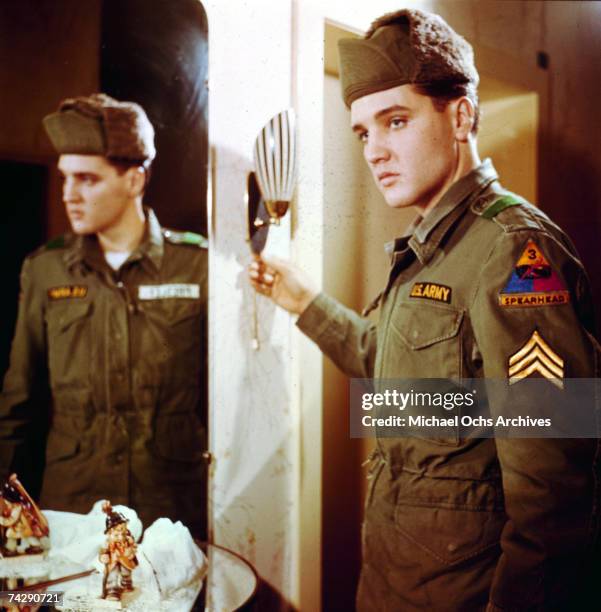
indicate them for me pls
(536, 356)
(533, 282)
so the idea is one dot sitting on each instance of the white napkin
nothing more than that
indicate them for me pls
(174, 559)
(79, 537)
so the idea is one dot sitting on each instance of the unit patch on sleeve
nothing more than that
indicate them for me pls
(533, 282)
(536, 356)
(67, 291)
(190, 291)
(431, 291)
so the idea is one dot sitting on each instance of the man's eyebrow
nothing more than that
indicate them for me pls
(357, 127)
(391, 109)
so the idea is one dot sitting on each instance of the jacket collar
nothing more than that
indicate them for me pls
(86, 249)
(152, 246)
(425, 234)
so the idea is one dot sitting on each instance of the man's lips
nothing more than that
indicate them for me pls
(387, 178)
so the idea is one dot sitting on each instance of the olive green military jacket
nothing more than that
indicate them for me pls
(462, 524)
(121, 357)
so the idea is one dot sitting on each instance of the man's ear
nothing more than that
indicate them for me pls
(136, 180)
(464, 116)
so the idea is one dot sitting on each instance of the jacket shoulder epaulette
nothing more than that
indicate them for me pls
(510, 212)
(191, 238)
(58, 242)
(54, 244)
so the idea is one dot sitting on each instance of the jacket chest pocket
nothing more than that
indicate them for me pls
(424, 342)
(69, 337)
(173, 334)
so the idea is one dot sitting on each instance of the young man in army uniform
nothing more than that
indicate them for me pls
(482, 285)
(111, 325)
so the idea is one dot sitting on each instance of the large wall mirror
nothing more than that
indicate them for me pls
(153, 52)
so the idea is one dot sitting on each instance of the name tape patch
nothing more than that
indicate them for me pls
(533, 282)
(188, 291)
(67, 291)
(431, 291)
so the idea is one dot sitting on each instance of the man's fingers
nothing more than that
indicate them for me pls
(261, 288)
(261, 273)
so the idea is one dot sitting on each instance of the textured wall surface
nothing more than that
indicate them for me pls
(251, 422)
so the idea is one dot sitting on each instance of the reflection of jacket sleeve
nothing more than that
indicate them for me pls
(24, 398)
(346, 338)
(549, 485)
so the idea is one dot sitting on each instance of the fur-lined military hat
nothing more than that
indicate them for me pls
(404, 47)
(101, 125)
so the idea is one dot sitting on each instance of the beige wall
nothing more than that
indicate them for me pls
(508, 134)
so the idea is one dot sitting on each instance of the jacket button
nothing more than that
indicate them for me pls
(452, 547)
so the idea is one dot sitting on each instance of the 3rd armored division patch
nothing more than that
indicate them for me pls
(533, 282)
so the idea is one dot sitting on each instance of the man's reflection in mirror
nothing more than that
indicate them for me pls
(106, 366)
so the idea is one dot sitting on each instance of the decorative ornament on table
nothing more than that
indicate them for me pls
(23, 527)
(118, 556)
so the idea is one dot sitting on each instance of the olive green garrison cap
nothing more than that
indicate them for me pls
(404, 47)
(101, 125)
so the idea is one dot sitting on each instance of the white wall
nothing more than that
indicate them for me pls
(251, 423)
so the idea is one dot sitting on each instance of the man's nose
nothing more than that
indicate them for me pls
(376, 150)
(70, 191)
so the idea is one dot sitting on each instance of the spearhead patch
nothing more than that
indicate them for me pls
(533, 282)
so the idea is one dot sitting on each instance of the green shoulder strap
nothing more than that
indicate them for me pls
(501, 204)
(186, 238)
(56, 243)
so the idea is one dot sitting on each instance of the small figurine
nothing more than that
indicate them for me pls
(118, 556)
(23, 528)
